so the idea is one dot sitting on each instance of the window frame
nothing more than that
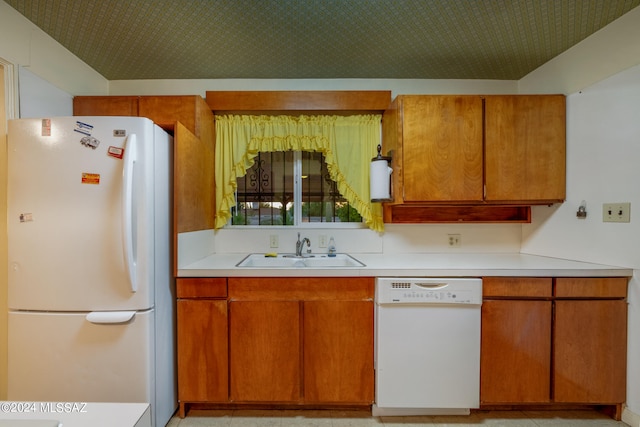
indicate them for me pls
(297, 207)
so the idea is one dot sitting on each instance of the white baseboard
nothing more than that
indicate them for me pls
(394, 412)
(631, 418)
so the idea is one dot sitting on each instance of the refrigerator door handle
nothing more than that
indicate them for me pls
(110, 317)
(127, 210)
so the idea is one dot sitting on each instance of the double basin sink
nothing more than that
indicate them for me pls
(304, 261)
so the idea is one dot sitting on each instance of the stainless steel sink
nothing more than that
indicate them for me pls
(305, 261)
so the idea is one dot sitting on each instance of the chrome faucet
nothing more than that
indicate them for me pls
(300, 244)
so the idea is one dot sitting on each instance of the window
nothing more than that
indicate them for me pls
(347, 143)
(290, 188)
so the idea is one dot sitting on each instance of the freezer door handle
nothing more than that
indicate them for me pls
(127, 210)
(110, 317)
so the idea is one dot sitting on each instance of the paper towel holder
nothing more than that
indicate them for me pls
(380, 178)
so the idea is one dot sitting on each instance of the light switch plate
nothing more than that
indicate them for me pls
(616, 212)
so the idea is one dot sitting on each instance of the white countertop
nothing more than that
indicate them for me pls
(74, 414)
(414, 264)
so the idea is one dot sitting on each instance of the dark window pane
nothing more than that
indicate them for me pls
(265, 193)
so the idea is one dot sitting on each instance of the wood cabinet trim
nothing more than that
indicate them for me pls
(436, 213)
(289, 101)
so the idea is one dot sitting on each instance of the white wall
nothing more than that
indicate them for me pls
(39, 98)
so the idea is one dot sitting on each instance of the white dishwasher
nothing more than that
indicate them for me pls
(427, 344)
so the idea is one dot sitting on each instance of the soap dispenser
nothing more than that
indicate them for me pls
(332, 247)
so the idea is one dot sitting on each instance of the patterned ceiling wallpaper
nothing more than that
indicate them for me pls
(430, 39)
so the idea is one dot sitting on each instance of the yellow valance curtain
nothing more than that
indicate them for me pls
(347, 142)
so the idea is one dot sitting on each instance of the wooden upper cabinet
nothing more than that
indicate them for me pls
(105, 106)
(525, 148)
(475, 150)
(193, 181)
(190, 110)
(442, 148)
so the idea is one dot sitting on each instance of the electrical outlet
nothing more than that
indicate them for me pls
(616, 212)
(273, 241)
(322, 241)
(455, 240)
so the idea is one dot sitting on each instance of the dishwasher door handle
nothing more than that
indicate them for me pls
(432, 286)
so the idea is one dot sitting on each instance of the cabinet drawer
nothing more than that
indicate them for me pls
(301, 288)
(202, 287)
(531, 287)
(600, 287)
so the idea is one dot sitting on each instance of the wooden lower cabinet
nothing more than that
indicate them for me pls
(202, 351)
(275, 341)
(202, 355)
(590, 357)
(338, 351)
(264, 351)
(301, 340)
(516, 351)
(554, 342)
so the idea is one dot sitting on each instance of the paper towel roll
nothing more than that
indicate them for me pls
(380, 180)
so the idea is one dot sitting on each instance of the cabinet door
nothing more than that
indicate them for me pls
(264, 340)
(515, 358)
(338, 351)
(202, 350)
(590, 351)
(442, 148)
(525, 148)
(105, 106)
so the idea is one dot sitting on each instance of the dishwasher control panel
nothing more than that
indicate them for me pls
(408, 290)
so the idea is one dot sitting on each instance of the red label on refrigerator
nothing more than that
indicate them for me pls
(90, 178)
(116, 152)
(46, 127)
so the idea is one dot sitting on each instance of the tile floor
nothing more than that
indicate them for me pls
(304, 418)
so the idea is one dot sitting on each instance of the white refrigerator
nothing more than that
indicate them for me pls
(91, 294)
